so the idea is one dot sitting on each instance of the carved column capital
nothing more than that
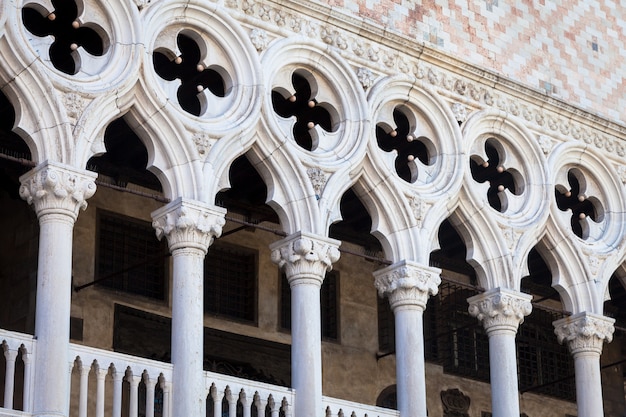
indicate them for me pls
(304, 256)
(54, 188)
(500, 309)
(188, 224)
(407, 283)
(584, 332)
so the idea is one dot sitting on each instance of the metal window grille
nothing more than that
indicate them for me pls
(129, 256)
(329, 297)
(230, 282)
(544, 366)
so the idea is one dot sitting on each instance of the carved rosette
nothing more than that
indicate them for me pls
(500, 309)
(407, 284)
(584, 332)
(305, 258)
(188, 224)
(53, 188)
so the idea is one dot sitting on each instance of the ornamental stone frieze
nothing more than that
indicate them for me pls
(54, 188)
(407, 284)
(500, 309)
(188, 224)
(584, 332)
(304, 256)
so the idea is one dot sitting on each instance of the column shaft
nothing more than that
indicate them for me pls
(585, 333)
(501, 311)
(305, 259)
(57, 193)
(408, 286)
(188, 332)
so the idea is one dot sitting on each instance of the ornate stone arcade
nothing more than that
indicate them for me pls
(318, 107)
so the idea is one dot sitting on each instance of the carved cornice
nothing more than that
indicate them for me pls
(500, 309)
(53, 188)
(584, 332)
(188, 224)
(372, 47)
(305, 257)
(407, 284)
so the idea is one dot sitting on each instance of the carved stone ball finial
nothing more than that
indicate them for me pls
(54, 188)
(188, 224)
(407, 284)
(584, 332)
(305, 256)
(500, 309)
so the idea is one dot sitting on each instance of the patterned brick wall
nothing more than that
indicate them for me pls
(573, 49)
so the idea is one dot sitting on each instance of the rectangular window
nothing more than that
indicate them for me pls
(129, 256)
(329, 297)
(230, 282)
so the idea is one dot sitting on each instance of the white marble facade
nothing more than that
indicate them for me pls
(360, 77)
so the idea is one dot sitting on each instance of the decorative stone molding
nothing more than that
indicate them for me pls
(188, 224)
(500, 309)
(318, 180)
(305, 257)
(460, 112)
(407, 283)
(259, 39)
(584, 332)
(54, 188)
(366, 77)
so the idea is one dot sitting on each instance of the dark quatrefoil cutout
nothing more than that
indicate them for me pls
(304, 107)
(194, 77)
(68, 33)
(402, 139)
(499, 177)
(582, 206)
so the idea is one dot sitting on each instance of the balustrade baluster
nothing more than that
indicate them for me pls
(166, 398)
(134, 394)
(84, 390)
(69, 383)
(9, 377)
(118, 379)
(150, 384)
(101, 375)
(217, 403)
(26, 358)
(260, 406)
(232, 404)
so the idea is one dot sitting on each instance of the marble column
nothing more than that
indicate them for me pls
(305, 259)
(585, 333)
(501, 311)
(408, 286)
(190, 228)
(57, 192)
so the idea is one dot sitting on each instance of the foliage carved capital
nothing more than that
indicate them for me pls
(407, 284)
(500, 309)
(188, 224)
(53, 188)
(584, 332)
(305, 257)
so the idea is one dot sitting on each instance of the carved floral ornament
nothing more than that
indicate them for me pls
(407, 283)
(500, 309)
(55, 188)
(584, 332)
(188, 224)
(304, 256)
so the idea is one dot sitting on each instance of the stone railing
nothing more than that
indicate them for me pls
(114, 384)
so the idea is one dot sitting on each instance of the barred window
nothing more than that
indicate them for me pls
(230, 282)
(129, 256)
(329, 297)
(544, 366)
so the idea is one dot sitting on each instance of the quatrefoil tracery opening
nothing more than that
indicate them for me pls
(304, 106)
(194, 76)
(492, 170)
(583, 207)
(68, 32)
(406, 143)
